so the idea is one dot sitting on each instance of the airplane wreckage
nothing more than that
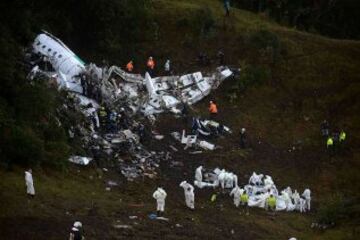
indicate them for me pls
(116, 87)
(127, 95)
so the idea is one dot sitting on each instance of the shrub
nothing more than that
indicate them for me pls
(338, 208)
(201, 23)
(266, 43)
(253, 75)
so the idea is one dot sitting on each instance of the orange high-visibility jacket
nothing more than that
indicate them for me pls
(213, 108)
(129, 66)
(150, 64)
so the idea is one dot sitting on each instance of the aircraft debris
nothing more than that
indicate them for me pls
(112, 101)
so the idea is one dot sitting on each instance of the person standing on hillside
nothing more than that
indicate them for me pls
(213, 110)
(189, 194)
(243, 139)
(236, 192)
(244, 199)
(30, 190)
(167, 67)
(130, 66)
(325, 126)
(330, 145)
(76, 232)
(160, 196)
(227, 7)
(221, 56)
(271, 203)
(150, 66)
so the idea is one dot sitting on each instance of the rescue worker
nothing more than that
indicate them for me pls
(221, 57)
(112, 126)
(167, 67)
(150, 66)
(213, 110)
(103, 116)
(160, 196)
(236, 192)
(76, 232)
(325, 128)
(130, 66)
(198, 173)
(244, 198)
(307, 195)
(342, 136)
(243, 138)
(30, 190)
(189, 194)
(330, 144)
(227, 7)
(271, 203)
(93, 117)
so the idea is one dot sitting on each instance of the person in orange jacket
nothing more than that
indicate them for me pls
(130, 66)
(213, 110)
(150, 65)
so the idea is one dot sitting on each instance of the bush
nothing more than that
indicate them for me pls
(253, 75)
(266, 43)
(21, 145)
(201, 23)
(338, 208)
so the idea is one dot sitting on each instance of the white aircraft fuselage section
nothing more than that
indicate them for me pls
(63, 60)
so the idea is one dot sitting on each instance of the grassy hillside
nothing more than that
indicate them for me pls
(290, 82)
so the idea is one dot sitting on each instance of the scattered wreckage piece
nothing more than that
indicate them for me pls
(80, 160)
(192, 141)
(126, 95)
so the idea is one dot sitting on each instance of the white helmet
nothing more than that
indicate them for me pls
(77, 224)
(243, 130)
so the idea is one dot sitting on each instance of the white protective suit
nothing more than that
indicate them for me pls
(287, 200)
(302, 204)
(307, 195)
(29, 183)
(167, 66)
(91, 112)
(256, 179)
(198, 174)
(296, 199)
(189, 194)
(237, 191)
(160, 196)
(201, 185)
(258, 200)
(268, 181)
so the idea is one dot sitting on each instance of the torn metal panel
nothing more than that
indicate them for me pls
(80, 160)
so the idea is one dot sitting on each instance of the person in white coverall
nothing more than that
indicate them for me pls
(198, 174)
(30, 190)
(236, 191)
(189, 194)
(307, 195)
(160, 196)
